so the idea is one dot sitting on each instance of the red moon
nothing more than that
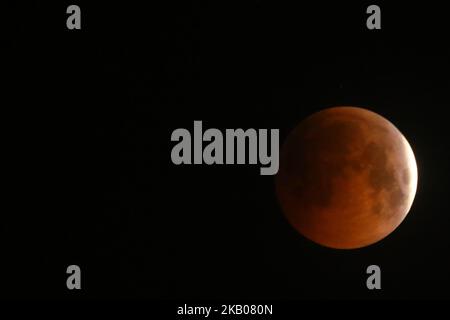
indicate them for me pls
(347, 177)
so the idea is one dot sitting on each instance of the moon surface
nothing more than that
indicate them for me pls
(347, 177)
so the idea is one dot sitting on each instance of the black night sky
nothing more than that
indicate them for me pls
(94, 184)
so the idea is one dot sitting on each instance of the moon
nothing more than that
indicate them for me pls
(347, 177)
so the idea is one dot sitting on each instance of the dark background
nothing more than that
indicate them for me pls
(92, 180)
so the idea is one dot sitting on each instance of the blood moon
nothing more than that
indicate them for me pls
(347, 177)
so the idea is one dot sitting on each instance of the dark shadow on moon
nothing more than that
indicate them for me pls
(382, 177)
